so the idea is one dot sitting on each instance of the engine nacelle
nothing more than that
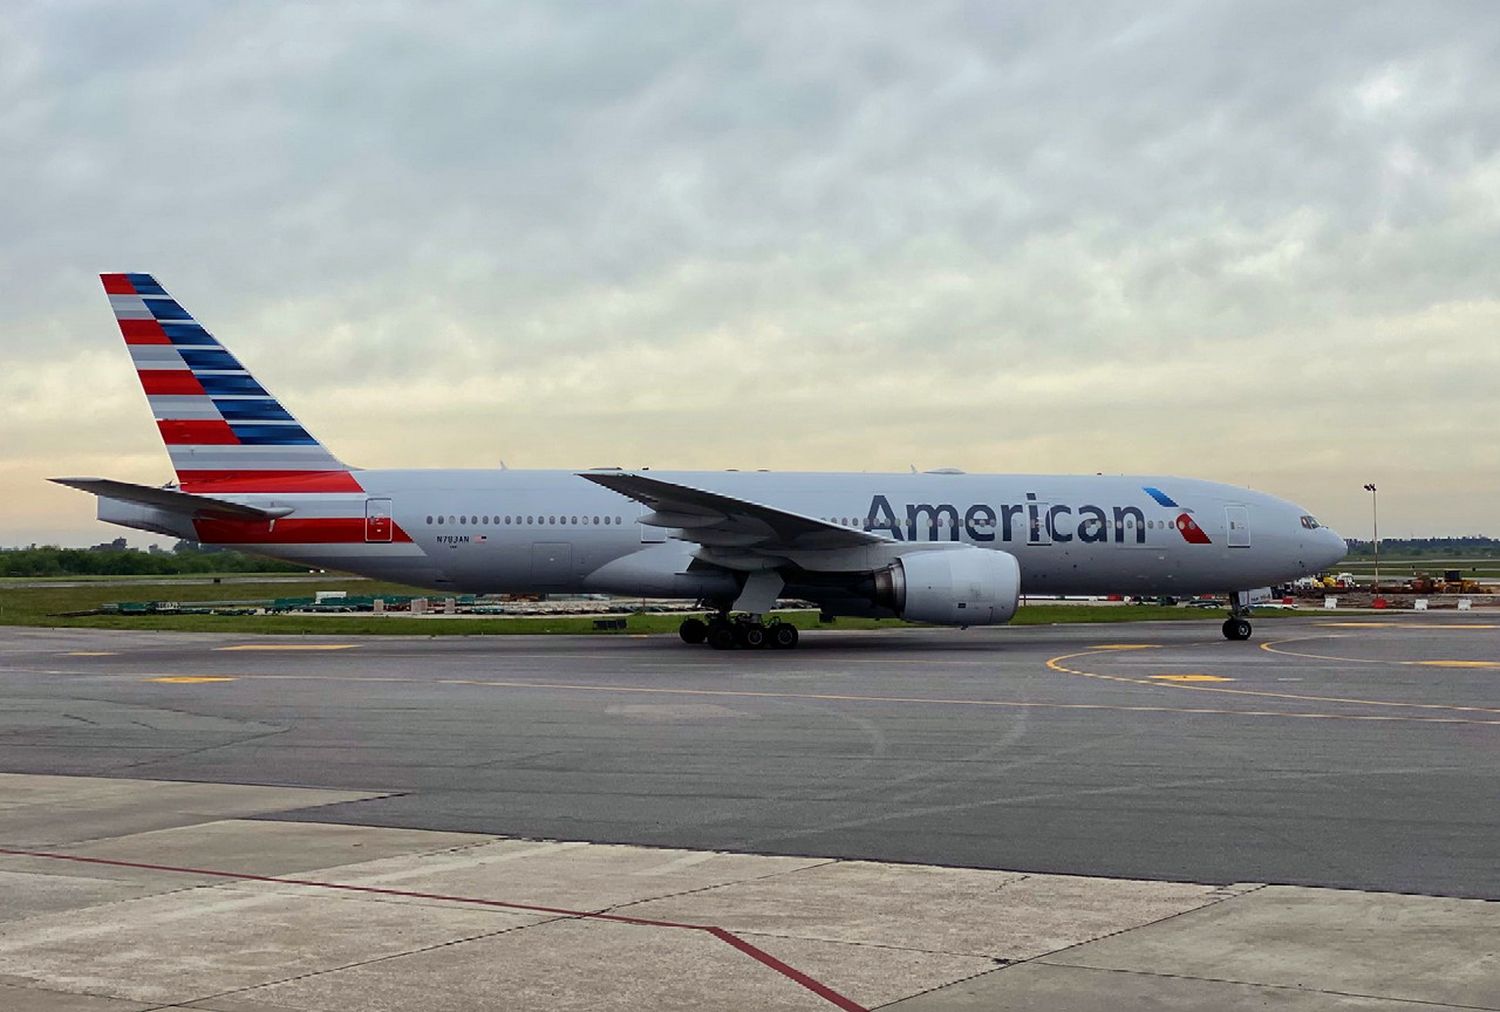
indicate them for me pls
(966, 586)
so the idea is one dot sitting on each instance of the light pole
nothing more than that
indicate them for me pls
(1375, 523)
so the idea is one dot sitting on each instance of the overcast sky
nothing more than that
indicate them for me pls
(1255, 242)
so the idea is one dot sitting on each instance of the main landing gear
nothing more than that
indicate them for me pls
(725, 633)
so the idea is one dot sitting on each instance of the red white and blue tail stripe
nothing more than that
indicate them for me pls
(223, 430)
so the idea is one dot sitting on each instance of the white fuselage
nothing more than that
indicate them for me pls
(554, 531)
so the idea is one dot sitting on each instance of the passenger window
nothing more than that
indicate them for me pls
(429, 520)
(440, 521)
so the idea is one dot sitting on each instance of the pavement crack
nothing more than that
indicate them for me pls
(479, 936)
(750, 933)
(720, 885)
(943, 986)
(206, 748)
(1211, 899)
(1299, 988)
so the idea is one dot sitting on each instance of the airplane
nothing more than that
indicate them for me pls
(941, 547)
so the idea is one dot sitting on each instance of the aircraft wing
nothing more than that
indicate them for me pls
(723, 521)
(171, 500)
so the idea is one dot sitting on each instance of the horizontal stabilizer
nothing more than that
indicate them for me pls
(171, 500)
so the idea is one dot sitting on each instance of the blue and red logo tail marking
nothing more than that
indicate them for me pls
(220, 425)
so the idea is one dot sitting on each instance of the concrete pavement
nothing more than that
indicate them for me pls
(154, 895)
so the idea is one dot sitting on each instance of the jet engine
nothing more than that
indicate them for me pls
(965, 586)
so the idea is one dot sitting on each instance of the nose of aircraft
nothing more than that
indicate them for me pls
(1331, 547)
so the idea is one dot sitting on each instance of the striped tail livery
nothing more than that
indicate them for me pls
(224, 432)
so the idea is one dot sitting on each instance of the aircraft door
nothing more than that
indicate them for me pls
(379, 528)
(1237, 526)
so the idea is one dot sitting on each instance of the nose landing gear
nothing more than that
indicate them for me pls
(1236, 629)
(1237, 625)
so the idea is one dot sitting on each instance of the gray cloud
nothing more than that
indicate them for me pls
(1252, 242)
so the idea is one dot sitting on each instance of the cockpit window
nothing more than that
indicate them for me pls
(1311, 523)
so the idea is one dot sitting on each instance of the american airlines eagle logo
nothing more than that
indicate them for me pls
(1185, 524)
(1191, 532)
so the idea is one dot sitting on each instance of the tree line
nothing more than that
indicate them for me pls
(1472, 546)
(187, 557)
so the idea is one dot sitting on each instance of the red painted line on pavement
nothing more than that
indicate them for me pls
(759, 955)
(791, 973)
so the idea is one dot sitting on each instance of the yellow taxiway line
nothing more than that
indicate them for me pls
(291, 646)
(818, 697)
(1056, 664)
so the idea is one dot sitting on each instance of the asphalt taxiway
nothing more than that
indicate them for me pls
(1356, 752)
(1192, 814)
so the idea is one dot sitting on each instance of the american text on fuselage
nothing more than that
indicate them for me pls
(982, 522)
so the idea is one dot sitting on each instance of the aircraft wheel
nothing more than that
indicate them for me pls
(783, 635)
(751, 635)
(721, 637)
(1236, 629)
(693, 630)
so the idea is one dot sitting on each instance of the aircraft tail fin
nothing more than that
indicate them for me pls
(223, 430)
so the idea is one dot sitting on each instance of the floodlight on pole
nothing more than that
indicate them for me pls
(1375, 524)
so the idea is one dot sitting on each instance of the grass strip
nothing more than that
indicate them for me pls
(41, 606)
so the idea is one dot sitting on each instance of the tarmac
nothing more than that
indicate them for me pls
(1069, 817)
